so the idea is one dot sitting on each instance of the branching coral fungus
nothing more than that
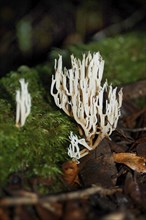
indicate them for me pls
(78, 91)
(23, 107)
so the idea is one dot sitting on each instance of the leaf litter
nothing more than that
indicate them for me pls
(109, 183)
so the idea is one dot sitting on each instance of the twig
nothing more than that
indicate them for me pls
(34, 199)
(134, 129)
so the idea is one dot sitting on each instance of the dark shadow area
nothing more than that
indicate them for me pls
(30, 29)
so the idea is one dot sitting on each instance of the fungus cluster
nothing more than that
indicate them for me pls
(79, 93)
(23, 103)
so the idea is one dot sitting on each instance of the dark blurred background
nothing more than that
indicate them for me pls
(30, 29)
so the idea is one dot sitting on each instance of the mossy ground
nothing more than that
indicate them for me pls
(40, 146)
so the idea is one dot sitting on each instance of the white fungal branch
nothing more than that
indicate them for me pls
(23, 104)
(78, 91)
(75, 90)
(74, 149)
(108, 120)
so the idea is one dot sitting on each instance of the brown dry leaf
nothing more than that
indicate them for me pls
(70, 172)
(100, 171)
(98, 167)
(131, 160)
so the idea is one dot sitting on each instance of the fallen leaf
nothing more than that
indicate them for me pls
(99, 168)
(70, 172)
(131, 160)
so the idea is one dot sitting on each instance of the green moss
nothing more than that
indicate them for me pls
(124, 55)
(39, 146)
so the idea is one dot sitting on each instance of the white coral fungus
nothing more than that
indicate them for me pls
(23, 104)
(78, 91)
(73, 149)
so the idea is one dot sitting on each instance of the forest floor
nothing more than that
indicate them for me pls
(108, 184)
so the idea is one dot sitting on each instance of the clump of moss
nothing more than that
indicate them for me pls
(124, 56)
(40, 145)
